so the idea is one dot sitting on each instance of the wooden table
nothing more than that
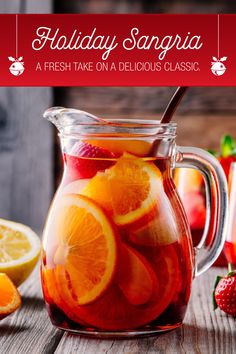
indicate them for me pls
(205, 331)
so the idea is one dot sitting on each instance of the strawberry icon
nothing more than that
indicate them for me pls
(17, 66)
(217, 66)
(224, 295)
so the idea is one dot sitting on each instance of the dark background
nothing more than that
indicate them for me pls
(29, 151)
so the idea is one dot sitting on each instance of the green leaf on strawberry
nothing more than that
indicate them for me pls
(218, 278)
(227, 146)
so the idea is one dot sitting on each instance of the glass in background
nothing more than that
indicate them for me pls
(191, 189)
(230, 244)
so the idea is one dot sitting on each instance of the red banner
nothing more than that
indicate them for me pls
(117, 50)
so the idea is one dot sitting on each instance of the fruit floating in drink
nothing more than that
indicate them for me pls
(119, 259)
(117, 253)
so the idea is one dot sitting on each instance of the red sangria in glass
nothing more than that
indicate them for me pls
(230, 243)
(191, 188)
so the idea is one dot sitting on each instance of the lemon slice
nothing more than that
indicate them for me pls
(19, 250)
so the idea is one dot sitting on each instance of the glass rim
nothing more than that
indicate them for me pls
(131, 122)
(70, 122)
(121, 128)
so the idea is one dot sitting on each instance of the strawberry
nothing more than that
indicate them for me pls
(85, 160)
(226, 163)
(224, 295)
(227, 153)
(227, 146)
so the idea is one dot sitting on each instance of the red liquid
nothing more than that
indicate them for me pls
(196, 236)
(151, 284)
(192, 190)
(230, 252)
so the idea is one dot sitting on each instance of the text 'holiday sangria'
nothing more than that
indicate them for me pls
(117, 257)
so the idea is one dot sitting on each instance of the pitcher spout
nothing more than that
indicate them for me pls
(63, 117)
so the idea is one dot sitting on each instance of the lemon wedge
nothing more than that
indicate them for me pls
(19, 250)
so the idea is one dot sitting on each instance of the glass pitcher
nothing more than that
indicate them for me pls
(117, 256)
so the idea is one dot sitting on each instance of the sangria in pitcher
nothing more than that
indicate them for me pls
(117, 257)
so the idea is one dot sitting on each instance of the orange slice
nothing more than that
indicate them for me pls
(161, 230)
(9, 297)
(45, 286)
(136, 278)
(52, 294)
(49, 286)
(128, 190)
(86, 249)
(114, 311)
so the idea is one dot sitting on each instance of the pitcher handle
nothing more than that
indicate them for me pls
(214, 235)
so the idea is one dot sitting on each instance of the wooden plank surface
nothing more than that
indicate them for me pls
(147, 100)
(25, 142)
(204, 130)
(26, 6)
(204, 331)
(25, 155)
(29, 331)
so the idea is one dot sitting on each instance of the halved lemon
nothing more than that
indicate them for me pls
(9, 297)
(87, 249)
(19, 250)
(128, 190)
